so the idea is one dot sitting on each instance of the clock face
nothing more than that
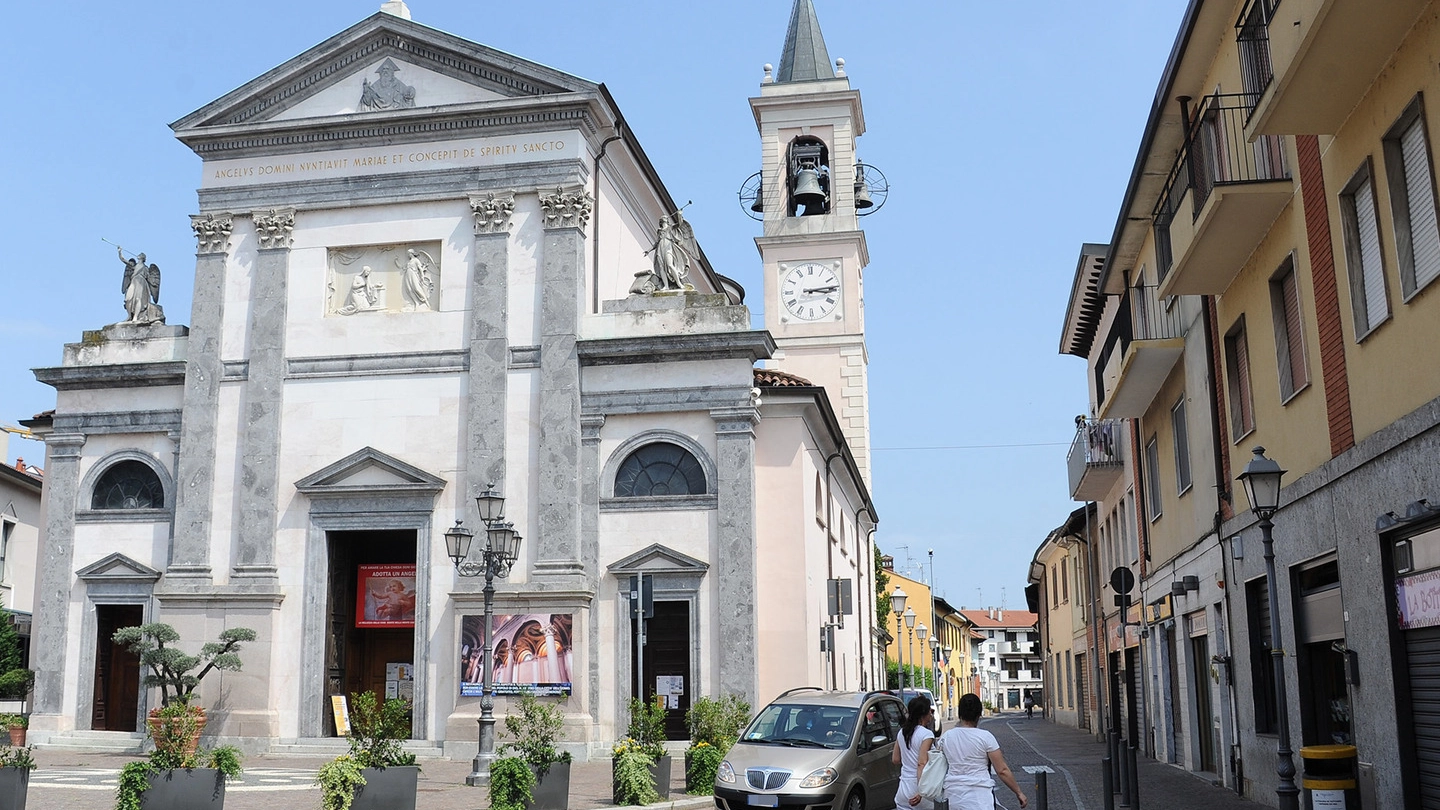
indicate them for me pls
(810, 291)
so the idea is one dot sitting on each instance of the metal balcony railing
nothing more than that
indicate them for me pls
(1098, 444)
(1252, 36)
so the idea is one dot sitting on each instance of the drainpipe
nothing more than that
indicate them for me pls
(869, 589)
(595, 231)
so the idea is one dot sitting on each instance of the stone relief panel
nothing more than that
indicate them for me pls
(383, 278)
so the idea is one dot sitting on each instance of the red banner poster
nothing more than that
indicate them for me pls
(385, 596)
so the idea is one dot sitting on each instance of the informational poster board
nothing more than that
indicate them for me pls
(670, 688)
(399, 681)
(385, 596)
(341, 708)
(532, 654)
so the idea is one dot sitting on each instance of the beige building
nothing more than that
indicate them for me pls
(1269, 283)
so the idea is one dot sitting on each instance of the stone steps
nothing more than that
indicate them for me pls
(330, 747)
(100, 742)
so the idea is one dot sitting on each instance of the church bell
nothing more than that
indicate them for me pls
(807, 187)
(862, 190)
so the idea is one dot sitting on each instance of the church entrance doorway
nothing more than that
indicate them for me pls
(667, 665)
(116, 702)
(370, 646)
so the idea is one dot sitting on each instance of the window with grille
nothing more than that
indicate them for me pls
(1412, 199)
(1237, 383)
(659, 469)
(128, 485)
(1289, 332)
(1182, 447)
(1363, 256)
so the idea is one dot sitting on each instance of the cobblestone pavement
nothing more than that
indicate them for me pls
(69, 781)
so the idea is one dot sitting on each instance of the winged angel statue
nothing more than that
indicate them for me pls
(141, 287)
(419, 283)
(674, 252)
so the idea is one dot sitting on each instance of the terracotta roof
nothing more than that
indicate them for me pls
(771, 378)
(1007, 618)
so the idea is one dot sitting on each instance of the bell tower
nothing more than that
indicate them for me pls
(810, 193)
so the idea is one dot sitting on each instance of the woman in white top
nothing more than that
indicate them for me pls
(970, 752)
(912, 751)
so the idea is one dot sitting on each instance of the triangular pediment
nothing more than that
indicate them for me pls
(658, 559)
(117, 568)
(407, 65)
(369, 470)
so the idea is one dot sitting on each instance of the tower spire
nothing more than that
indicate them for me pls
(805, 57)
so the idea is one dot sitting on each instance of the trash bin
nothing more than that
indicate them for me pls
(1330, 778)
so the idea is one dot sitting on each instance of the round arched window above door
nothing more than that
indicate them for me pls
(659, 469)
(128, 485)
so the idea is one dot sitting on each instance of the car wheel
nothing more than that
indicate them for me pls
(855, 801)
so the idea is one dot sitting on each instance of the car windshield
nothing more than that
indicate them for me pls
(803, 725)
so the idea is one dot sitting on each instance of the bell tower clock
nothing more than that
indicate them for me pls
(810, 195)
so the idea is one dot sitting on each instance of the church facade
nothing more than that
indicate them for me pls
(424, 269)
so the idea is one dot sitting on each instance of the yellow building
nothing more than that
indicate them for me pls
(1269, 282)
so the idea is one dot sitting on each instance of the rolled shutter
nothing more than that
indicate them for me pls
(1420, 193)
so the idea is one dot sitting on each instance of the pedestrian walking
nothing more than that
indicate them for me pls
(1029, 706)
(912, 751)
(971, 753)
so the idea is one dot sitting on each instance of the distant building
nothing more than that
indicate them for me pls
(1006, 656)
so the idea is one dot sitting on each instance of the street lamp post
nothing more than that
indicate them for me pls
(897, 603)
(945, 669)
(1261, 479)
(921, 631)
(502, 548)
(909, 639)
(934, 665)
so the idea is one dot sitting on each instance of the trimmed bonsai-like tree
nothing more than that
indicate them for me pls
(15, 679)
(172, 671)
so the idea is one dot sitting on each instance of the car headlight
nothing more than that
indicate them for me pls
(819, 778)
(725, 773)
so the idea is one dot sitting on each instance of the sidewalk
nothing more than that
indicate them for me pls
(1076, 784)
(69, 781)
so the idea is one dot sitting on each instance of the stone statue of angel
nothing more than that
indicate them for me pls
(141, 288)
(674, 252)
(418, 283)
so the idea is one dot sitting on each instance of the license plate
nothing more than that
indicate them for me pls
(763, 801)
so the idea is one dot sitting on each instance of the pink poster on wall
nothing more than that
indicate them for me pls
(385, 595)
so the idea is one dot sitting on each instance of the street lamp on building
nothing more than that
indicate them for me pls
(502, 548)
(897, 603)
(1261, 479)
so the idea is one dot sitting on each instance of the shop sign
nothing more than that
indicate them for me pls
(1418, 599)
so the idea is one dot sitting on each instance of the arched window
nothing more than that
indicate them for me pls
(128, 485)
(659, 468)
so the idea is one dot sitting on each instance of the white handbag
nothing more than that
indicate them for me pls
(931, 784)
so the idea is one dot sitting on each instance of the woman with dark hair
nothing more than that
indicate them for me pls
(912, 751)
(970, 752)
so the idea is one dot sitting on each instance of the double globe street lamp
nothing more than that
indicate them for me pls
(897, 603)
(1261, 479)
(502, 548)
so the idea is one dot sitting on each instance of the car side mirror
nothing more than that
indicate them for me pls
(878, 739)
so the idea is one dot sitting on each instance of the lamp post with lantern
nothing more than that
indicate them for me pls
(897, 603)
(502, 548)
(1261, 480)
(910, 639)
(921, 632)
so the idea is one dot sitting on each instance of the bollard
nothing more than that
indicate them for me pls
(1113, 740)
(1107, 781)
(942, 805)
(1134, 769)
(1042, 792)
(1124, 762)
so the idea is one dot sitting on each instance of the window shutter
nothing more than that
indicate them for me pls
(1294, 337)
(1243, 420)
(1420, 193)
(1372, 270)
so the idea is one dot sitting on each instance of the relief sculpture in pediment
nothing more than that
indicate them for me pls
(389, 93)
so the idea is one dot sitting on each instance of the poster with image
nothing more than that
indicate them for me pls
(385, 595)
(532, 654)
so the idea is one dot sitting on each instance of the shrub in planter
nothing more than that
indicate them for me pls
(377, 772)
(715, 725)
(511, 783)
(644, 737)
(16, 724)
(15, 767)
(167, 781)
(533, 734)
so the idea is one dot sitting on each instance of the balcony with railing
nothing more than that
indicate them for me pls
(1325, 55)
(1097, 458)
(1232, 190)
(1147, 339)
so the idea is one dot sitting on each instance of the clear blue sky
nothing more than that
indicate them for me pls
(1007, 131)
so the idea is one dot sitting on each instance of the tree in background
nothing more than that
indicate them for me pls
(882, 592)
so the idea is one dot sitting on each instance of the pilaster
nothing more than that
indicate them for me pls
(55, 567)
(562, 264)
(189, 564)
(736, 555)
(489, 350)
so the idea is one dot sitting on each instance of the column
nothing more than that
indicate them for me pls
(189, 564)
(735, 569)
(562, 262)
(254, 557)
(590, 425)
(489, 351)
(55, 567)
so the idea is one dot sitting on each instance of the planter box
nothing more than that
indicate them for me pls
(13, 784)
(551, 791)
(660, 772)
(391, 788)
(198, 789)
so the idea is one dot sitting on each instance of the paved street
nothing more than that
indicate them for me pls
(67, 781)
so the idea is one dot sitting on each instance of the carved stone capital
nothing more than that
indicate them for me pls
(492, 212)
(566, 208)
(274, 228)
(212, 232)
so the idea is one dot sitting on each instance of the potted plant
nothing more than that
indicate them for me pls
(641, 757)
(512, 783)
(16, 723)
(15, 767)
(376, 774)
(533, 734)
(171, 779)
(715, 725)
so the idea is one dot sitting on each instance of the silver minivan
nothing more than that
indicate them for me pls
(813, 749)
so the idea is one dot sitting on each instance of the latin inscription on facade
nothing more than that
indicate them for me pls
(459, 154)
